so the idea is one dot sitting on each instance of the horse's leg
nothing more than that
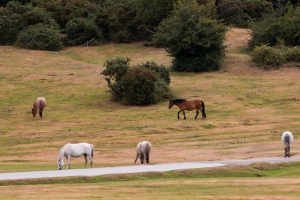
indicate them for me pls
(147, 157)
(41, 114)
(289, 151)
(197, 113)
(184, 114)
(285, 152)
(178, 114)
(68, 160)
(85, 160)
(91, 160)
(137, 156)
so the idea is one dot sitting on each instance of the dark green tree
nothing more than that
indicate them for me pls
(193, 38)
(118, 21)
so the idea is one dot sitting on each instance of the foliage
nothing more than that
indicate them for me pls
(272, 29)
(241, 12)
(18, 17)
(192, 38)
(142, 84)
(40, 37)
(81, 30)
(64, 11)
(151, 13)
(118, 21)
(266, 55)
(292, 54)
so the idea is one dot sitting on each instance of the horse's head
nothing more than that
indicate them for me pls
(33, 112)
(171, 103)
(142, 158)
(60, 164)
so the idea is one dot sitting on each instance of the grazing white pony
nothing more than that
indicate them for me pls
(39, 105)
(287, 139)
(75, 150)
(143, 151)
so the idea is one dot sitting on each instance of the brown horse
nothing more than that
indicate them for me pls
(188, 105)
(39, 104)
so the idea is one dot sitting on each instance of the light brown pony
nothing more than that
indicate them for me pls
(143, 151)
(188, 105)
(39, 105)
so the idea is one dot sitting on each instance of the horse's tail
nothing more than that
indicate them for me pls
(92, 151)
(203, 110)
(287, 139)
(148, 149)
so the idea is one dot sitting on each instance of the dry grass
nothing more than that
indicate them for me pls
(248, 109)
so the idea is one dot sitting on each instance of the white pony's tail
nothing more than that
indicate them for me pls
(92, 152)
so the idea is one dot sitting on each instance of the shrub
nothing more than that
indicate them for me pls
(292, 54)
(267, 55)
(114, 72)
(142, 84)
(272, 28)
(81, 30)
(40, 37)
(139, 86)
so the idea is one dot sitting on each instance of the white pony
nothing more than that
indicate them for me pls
(143, 151)
(75, 150)
(287, 139)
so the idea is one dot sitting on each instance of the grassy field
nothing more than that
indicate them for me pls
(247, 108)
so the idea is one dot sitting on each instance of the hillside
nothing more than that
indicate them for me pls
(247, 108)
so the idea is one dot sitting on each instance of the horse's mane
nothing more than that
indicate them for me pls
(61, 151)
(178, 100)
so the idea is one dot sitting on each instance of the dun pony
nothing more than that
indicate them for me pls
(143, 151)
(287, 139)
(75, 150)
(188, 105)
(39, 105)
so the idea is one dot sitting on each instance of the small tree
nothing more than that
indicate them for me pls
(193, 38)
(142, 84)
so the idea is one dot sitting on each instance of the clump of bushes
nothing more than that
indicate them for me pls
(275, 56)
(81, 30)
(39, 37)
(142, 84)
(273, 28)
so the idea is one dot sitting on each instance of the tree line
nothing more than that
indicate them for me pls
(191, 31)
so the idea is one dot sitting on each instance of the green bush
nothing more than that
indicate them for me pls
(114, 71)
(40, 37)
(292, 54)
(142, 84)
(193, 38)
(81, 30)
(274, 28)
(139, 86)
(267, 55)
